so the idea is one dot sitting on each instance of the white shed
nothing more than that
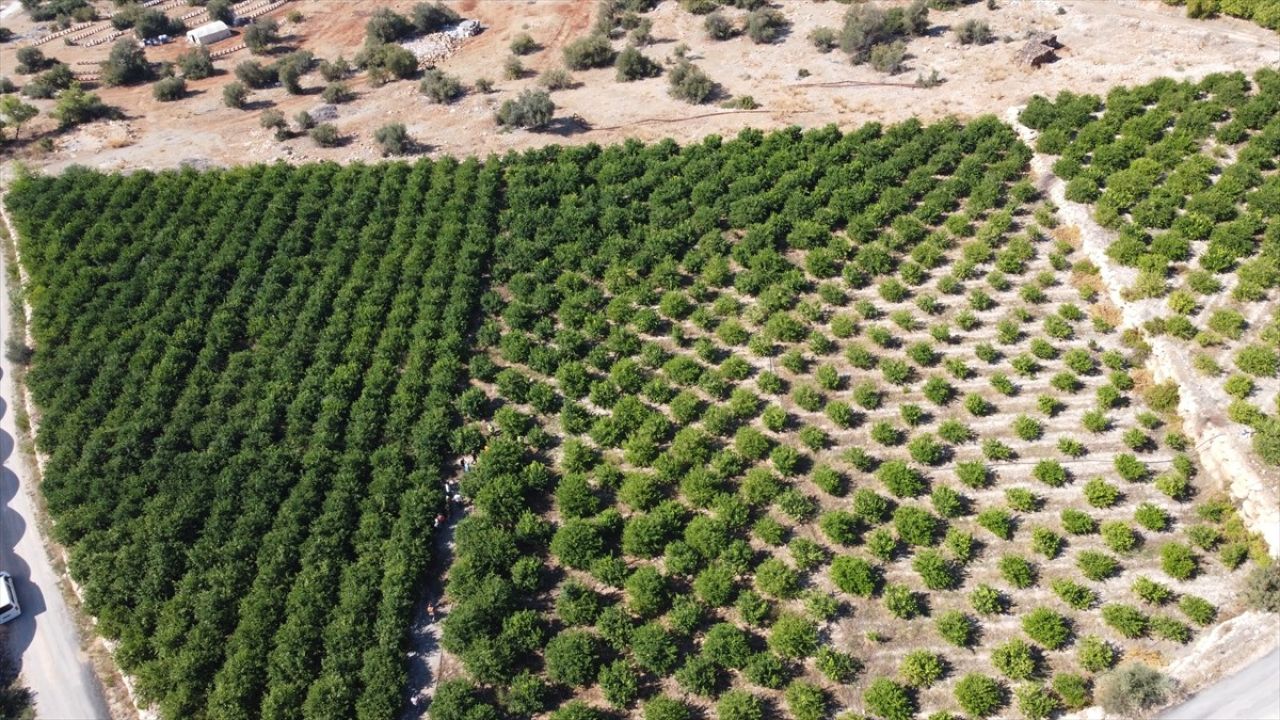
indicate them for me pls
(209, 33)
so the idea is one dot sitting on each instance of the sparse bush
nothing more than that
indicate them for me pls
(196, 64)
(1100, 493)
(1017, 571)
(889, 58)
(635, 65)
(1119, 536)
(524, 44)
(825, 39)
(793, 637)
(261, 35)
(719, 26)
(1131, 689)
(1262, 588)
(337, 93)
(837, 666)
(1036, 702)
(325, 135)
(1016, 659)
(690, 84)
(532, 109)
(974, 32)
(592, 51)
(998, 521)
(1202, 612)
(440, 87)
(1074, 594)
(234, 94)
(765, 25)
(556, 78)
(901, 479)
(1168, 628)
(1151, 591)
(1077, 522)
(988, 601)
(901, 602)
(806, 701)
(169, 89)
(1073, 690)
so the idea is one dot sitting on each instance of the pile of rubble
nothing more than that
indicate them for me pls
(433, 48)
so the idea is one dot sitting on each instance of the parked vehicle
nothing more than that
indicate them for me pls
(8, 599)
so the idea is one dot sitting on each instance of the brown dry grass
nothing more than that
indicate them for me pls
(1108, 312)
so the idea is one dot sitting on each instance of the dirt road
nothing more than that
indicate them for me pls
(1251, 694)
(44, 641)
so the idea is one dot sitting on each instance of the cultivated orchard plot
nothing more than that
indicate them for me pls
(1185, 173)
(821, 469)
(809, 420)
(244, 379)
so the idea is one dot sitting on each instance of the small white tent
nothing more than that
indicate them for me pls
(209, 33)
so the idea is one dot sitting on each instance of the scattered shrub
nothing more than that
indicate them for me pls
(1131, 689)
(974, 32)
(532, 109)
(393, 139)
(440, 87)
(632, 64)
(592, 51)
(690, 84)
(169, 89)
(325, 135)
(1262, 588)
(765, 25)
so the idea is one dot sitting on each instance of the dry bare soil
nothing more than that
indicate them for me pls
(1107, 43)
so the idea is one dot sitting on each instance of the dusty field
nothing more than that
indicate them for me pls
(1121, 41)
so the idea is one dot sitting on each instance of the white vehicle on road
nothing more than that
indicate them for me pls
(8, 599)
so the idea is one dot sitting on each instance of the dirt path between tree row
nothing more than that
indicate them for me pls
(425, 654)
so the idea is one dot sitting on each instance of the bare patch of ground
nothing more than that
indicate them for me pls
(1106, 43)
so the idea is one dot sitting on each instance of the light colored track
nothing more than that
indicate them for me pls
(45, 639)
(1251, 694)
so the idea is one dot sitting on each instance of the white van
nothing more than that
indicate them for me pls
(8, 599)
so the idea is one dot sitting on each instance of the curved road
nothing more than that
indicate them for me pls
(44, 641)
(1251, 694)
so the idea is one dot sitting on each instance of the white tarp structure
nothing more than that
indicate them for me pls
(209, 33)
